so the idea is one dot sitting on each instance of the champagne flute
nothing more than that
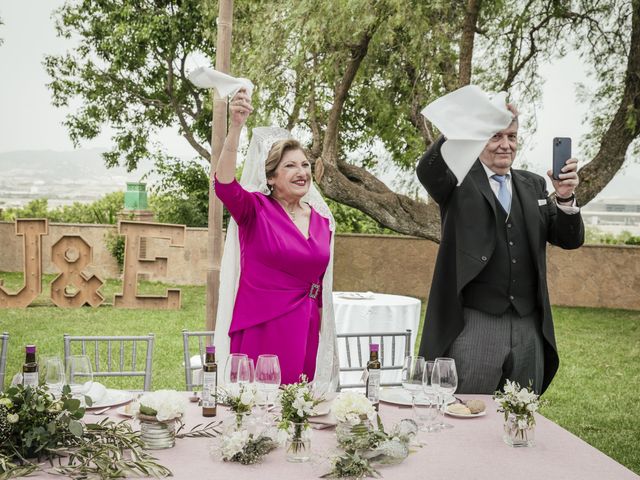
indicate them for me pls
(268, 377)
(445, 380)
(412, 371)
(79, 376)
(52, 374)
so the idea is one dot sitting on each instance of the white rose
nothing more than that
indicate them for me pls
(246, 397)
(13, 418)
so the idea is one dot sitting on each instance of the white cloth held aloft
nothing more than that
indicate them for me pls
(206, 77)
(468, 118)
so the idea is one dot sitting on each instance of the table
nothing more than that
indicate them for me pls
(473, 449)
(378, 313)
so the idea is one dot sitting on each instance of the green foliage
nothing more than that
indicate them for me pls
(182, 195)
(595, 236)
(102, 211)
(352, 220)
(115, 243)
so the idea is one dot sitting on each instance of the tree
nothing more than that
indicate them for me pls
(348, 74)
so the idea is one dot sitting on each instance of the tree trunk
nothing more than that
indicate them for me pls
(466, 42)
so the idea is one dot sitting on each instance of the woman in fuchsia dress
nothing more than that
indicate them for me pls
(285, 248)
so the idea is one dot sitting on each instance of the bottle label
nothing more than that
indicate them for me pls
(373, 385)
(209, 394)
(30, 379)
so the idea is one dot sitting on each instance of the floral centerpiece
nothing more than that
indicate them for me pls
(240, 401)
(297, 405)
(158, 413)
(355, 415)
(372, 448)
(243, 441)
(518, 405)
(35, 426)
(245, 447)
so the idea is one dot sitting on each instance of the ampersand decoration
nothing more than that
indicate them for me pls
(73, 288)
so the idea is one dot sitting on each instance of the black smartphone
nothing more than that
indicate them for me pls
(561, 153)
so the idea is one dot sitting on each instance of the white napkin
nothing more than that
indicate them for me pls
(468, 118)
(97, 392)
(206, 77)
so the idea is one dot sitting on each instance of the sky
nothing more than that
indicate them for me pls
(28, 121)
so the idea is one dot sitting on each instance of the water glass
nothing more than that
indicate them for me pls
(237, 372)
(268, 377)
(412, 373)
(79, 375)
(425, 411)
(52, 374)
(444, 380)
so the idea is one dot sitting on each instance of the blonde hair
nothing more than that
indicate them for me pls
(278, 149)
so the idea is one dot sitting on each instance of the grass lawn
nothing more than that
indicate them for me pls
(595, 394)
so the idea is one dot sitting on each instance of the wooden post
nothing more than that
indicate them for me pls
(219, 132)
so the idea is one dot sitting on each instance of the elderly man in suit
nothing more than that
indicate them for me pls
(489, 304)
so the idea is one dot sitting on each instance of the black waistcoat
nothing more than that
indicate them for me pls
(509, 278)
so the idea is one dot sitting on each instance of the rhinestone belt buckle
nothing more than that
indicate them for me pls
(315, 288)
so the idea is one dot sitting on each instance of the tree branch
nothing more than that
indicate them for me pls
(624, 127)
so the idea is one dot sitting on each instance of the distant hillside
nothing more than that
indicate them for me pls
(72, 165)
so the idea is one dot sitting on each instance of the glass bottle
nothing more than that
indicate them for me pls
(210, 383)
(30, 367)
(373, 376)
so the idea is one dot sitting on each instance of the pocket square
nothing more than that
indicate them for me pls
(542, 202)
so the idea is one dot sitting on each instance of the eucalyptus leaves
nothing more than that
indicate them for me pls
(35, 426)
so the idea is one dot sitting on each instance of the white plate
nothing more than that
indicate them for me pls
(459, 415)
(112, 398)
(400, 396)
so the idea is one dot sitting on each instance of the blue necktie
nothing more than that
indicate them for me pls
(504, 196)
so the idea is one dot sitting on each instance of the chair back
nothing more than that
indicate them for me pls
(203, 339)
(4, 342)
(115, 356)
(394, 347)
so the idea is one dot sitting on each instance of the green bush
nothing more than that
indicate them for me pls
(595, 236)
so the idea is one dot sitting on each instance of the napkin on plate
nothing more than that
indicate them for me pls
(97, 392)
(205, 77)
(468, 118)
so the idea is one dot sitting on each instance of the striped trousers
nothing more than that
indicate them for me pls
(493, 348)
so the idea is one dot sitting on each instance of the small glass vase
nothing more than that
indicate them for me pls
(354, 437)
(516, 436)
(298, 445)
(155, 434)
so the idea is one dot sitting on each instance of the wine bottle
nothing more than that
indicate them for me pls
(210, 383)
(30, 367)
(373, 376)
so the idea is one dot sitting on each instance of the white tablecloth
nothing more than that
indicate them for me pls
(378, 313)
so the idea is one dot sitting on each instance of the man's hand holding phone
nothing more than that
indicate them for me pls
(564, 175)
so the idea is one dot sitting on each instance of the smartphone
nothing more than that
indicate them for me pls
(561, 153)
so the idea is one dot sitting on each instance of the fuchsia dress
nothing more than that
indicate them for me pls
(279, 294)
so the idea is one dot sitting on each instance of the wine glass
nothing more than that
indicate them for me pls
(52, 373)
(444, 380)
(237, 372)
(268, 377)
(412, 371)
(79, 375)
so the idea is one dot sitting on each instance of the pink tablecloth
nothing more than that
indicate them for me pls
(472, 450)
